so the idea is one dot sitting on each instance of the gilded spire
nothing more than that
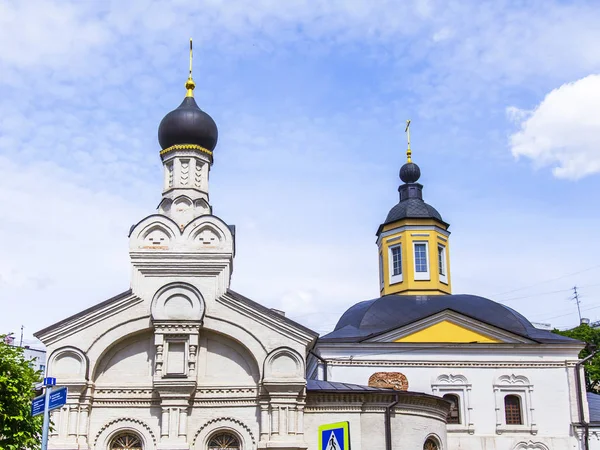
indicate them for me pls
(406, 130)
(189, 84)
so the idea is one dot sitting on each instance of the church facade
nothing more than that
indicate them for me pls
(180, 361)
(510, 384)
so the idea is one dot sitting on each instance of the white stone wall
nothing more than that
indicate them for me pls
(367, 429)
(544, 378)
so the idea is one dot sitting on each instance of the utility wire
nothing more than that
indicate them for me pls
(547, 281)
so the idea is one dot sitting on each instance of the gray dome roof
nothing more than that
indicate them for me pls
(372, 317)
(412, 208)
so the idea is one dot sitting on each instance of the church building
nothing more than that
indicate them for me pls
(179, 361)
(510, 384)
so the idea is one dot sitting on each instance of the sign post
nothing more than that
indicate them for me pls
(49, 382)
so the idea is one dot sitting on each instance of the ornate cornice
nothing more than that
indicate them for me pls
(186, 147)
(227, 392)
(476, 364)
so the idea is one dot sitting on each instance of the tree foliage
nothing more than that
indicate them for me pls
(18, 429)
(591, 336)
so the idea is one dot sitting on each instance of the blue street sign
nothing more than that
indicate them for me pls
(37, 405)
(334, 436)
(49, 381)
(58, 398)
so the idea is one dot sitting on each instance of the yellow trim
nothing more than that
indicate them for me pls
(186, 147)
(449, 332)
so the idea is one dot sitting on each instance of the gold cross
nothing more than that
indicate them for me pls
(189, 84)
(408, 150)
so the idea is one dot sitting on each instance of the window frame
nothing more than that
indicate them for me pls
(216, 433)
(168, 342)
(458, 385)
(381, 271)
(421, 276)
(520, 386)
(458, 407)
(442, 263)
(399, 277)
(519, 405)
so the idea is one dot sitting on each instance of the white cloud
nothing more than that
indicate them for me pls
(64, 247)
(563, 131)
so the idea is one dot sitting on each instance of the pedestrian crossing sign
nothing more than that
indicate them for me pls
(334, 436)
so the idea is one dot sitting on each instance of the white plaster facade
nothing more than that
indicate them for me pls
(179, 356)
(543, 376)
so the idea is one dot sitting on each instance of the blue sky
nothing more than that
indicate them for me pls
(310, 98)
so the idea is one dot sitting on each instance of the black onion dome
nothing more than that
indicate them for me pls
(410, 173)
(188, 124)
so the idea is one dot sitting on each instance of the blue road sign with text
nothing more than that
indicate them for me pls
(37, 405)
(58, 398)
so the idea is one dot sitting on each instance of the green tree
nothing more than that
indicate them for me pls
(591, 336)
(18, 429)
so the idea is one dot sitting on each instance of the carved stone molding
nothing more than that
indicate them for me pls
(228, 422)
(115, 425)
(445, 364)
(531, 445)
(392, 380)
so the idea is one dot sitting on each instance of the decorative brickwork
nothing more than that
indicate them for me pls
(392, 380)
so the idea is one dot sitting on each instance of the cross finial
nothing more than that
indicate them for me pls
(408, 150)
(189, 84)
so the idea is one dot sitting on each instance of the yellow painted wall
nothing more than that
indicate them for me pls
(408, 285)
(449, 332)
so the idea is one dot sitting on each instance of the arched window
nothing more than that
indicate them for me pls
(224, 440)
(512, 410)
(454, 413)
(126, 441)
(431, 444)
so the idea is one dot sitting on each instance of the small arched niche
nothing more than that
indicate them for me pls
(208, 236)
(182, 204)
(178, 301)
(68, 364)
(284, 363)
(156, 237)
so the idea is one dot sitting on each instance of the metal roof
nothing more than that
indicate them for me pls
(334, 386)
(372, 317)
(594, 405)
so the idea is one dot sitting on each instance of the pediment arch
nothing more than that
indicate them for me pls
(285, 363)
(154, 232)
(178, 301)
(68, 363)
(127, 361)
(113, 427)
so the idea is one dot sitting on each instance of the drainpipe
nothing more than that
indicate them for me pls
(582, 421)
(388, 423)
(324, 361)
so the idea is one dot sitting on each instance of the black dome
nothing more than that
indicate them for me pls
(382, 314)
(410, 172)
(188, 124)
